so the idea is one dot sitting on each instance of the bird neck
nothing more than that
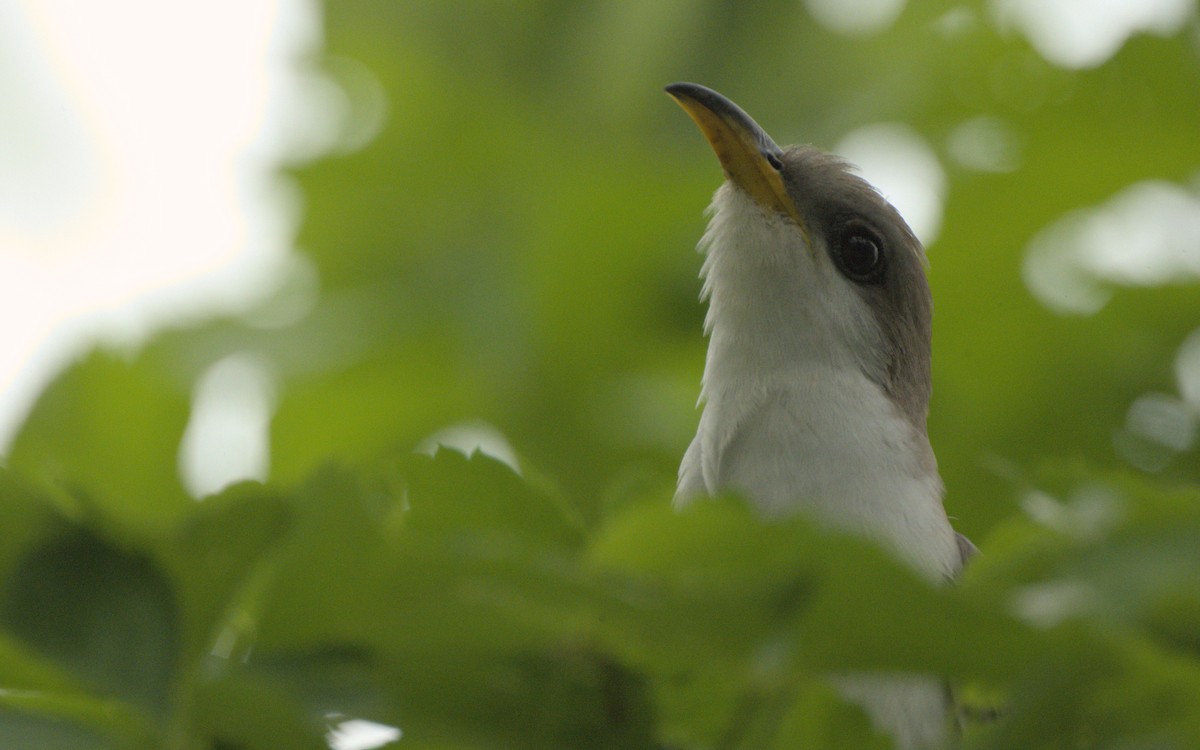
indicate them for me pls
(792, 421)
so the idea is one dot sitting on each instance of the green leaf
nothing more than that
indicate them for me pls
(22, 669)
(109, 432)
(335, 681)
(71, 720)
(475, 544)
(106, 615)
(1102, 690)
(818, 717)
(26, 515)
(707, 584)
(41, 733)
(240, 708)
(218, 556)
(734, 616)
(718, 581)
(469, 592)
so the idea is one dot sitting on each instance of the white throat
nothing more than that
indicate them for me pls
(792, 419)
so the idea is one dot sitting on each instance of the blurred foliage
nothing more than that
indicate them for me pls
(514, 246)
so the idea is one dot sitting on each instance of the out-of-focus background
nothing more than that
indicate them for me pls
(377, 221)
(246, 240)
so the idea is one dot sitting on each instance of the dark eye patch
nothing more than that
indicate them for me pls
(859, 253)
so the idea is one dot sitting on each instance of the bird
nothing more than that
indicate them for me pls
(817, 376)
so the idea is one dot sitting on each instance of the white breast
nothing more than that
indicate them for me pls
(831, 445)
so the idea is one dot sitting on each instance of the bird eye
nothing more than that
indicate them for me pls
(859, 256)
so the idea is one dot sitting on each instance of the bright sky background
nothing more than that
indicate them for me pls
(138, 148)
(140, 142)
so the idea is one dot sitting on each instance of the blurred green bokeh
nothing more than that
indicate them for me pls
(514, 247)
(517, 243)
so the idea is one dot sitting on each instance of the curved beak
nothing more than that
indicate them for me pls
(750, 158)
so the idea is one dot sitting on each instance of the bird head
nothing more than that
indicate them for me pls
(807, 262)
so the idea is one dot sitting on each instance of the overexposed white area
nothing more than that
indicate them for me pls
(1187, 369)
(902, 165)
(1146, 235)
(1068, 33)
(1053, 602)
(470, 437)
(1088, 513)
(1159, 427)
(1163, 428)
(1164, 418)
(1086, 33)
(360, 734)
(985, 144)
(855, 17)
(141, 142)
(228, 435)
